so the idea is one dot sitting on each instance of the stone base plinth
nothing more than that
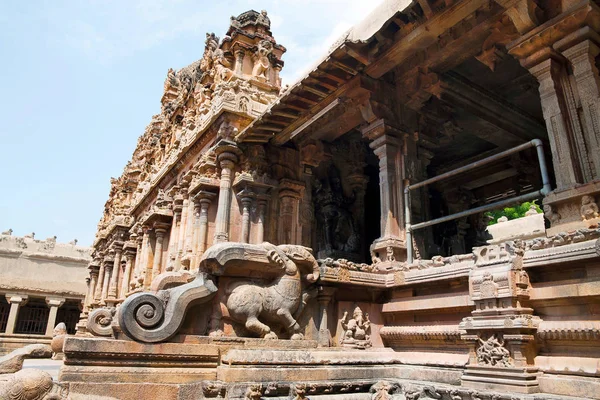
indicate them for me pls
(521, 380)
(122, 361)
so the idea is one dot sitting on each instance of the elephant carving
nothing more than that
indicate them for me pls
(257, 305)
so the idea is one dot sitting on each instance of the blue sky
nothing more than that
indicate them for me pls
(82, 78)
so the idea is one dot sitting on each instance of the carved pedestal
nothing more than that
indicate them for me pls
(501, 331)
(572, 209)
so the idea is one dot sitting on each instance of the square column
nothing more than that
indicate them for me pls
(389, 145)
(54, 303)
(16, 301)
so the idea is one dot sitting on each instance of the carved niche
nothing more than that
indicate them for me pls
(356, 330)
(337, 228)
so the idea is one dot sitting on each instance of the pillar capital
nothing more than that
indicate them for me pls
(160, 229)
(16, 298)
(55, 301)
(381, 128)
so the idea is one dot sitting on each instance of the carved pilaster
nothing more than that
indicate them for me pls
(160, 231)
(583, 59)
(388, 145)
(246, 196)
(227, 155)
(130, 255)
(561, 121)
(114, 281)
(289, 230)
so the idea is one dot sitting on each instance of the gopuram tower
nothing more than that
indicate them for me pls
(330, 241)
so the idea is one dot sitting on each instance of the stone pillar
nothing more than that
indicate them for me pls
(114, 279)
(245, 197)
(227, 156)
(100, 283)
(261, 220)
(203, 200)
(16, 301)
(54, 304)
(145, 251)
(288, 228)
(239, 61)
(583, 59)
(324, 298)
(88, 280)
(564, 129)
(108, 266)
(130, 255)
(159, 230)
(390, 146)
(185, 206)
(94, 269)
(189, 230)
(175, 227)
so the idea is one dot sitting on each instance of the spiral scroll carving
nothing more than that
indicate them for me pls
(153, 318)
(99, 321)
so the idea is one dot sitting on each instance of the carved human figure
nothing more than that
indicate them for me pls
(221, 67)
(550, 214)
(589, 208)
(492, 352)
(356, 330)
(262, 63)
(338, 227)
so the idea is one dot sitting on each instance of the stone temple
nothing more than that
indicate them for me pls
(328, 240)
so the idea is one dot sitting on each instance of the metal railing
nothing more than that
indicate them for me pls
(537, 143)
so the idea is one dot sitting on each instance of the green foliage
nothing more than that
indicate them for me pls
(512, 212)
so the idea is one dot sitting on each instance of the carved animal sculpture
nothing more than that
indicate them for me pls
(27, 384)
(253, 304)
(8, 232)
(13, 361)
(282, 300)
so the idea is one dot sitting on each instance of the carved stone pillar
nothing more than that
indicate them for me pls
(159, 230)
(130, 255)
(114, 280)
(389, 145)
(324, 298)
(185, 206)
(100, 283)
(227, 156)
(204, 199)
(261, 219)
(54, 304)
(175, 226)
(108, 266)
(289, 230)
(583, 59)
(564, 129)
(239, 61)
(189, 232)
(245, 197)
(16, 301)
(94, 269)
(143, 266)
